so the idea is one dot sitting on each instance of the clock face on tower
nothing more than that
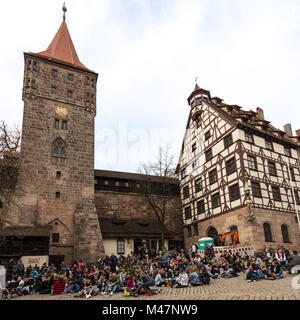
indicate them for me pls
(61, 111)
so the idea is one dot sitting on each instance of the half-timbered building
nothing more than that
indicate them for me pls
(224, 148)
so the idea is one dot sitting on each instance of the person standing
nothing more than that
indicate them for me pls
(20, 269)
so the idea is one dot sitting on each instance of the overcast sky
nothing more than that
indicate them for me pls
(148, 53)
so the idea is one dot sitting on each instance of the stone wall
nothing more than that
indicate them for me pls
(251, 234)
(135, 206)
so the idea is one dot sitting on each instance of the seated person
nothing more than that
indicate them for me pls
(46, 285)
(123, 277)
(251, 274)
(282, 261)
(203, 275)
(59, 285)
(276, 270)
(182, 281)
(158, 279)
(194, 277)
(113, 285)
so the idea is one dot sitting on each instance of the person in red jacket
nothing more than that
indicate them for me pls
(59, 286)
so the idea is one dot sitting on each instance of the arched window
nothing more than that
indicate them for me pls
(268, 232)
(285, 233)
(234, 228)
(59, 151)
(213, 233)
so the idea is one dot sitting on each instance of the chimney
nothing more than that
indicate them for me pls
(298, 133)
(288, 129)
(260, 113)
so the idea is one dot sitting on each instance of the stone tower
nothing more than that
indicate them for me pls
(59, 95)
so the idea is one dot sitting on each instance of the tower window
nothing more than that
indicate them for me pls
(56, 124)
(57, 195)
(55, 237)
(28, 64)
(54, 73)
(33, 84)
(88, 81)
(58, 150)
(53, 89)
(58, 174)
(93, 82)
(1, 204)
(35, 65)
(64, 125)
(70, 94)
(70, 77)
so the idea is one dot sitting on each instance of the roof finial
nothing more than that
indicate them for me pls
(64, 9)
(196, 86)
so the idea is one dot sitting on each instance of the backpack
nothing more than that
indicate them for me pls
(126, 293)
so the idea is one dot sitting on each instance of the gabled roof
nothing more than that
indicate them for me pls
(62, 50)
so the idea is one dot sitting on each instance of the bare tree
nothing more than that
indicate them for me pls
(163, 167)
(10, 160)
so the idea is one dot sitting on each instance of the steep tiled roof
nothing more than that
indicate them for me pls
(62, 49)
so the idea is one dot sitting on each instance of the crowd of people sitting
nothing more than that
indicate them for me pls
(146, 274)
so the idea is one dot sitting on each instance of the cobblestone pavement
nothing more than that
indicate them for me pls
(219, 289)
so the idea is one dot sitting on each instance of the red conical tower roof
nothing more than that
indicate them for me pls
(62, 49)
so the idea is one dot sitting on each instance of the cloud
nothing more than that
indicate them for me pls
(148, 53)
